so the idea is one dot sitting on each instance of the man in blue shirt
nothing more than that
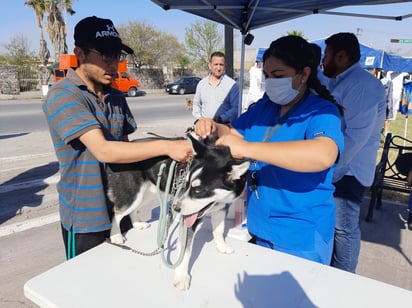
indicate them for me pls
(217, 95)
(363, 99)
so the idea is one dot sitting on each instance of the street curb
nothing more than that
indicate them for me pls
(22, 95)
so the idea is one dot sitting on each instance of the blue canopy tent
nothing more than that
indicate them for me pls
(396, 63)
(406, 104)
(247, 15)
(259, 56)
(376, 58)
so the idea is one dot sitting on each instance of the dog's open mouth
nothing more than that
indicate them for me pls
(190, 219)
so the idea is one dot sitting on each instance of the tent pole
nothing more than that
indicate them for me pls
(406, 130)
(242, 69)
(229, 50)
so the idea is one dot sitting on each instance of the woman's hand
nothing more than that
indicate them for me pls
(235, 143)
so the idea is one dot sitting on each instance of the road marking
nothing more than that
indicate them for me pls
(26, 157)
(28, 224)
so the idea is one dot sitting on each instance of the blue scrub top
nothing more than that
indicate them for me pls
(291, 205)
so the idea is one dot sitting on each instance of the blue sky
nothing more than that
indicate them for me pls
(20, 19)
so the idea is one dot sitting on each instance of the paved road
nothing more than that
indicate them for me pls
(28, 163)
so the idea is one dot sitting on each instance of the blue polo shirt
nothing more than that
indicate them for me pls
(291, 205)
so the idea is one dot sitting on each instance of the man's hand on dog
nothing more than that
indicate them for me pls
(205, 127)
(181, 151)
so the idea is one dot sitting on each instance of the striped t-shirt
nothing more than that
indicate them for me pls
(72, 110)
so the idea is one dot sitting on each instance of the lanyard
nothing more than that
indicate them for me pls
(270, 131)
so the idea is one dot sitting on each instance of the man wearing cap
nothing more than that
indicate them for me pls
(89, 122)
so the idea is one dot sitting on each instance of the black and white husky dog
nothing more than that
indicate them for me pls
(213, 181)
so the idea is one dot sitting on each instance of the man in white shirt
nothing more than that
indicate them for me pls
(217, 95)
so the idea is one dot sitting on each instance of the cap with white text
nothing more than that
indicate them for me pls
(99, 34)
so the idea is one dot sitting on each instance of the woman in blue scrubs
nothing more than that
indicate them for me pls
(293, 138)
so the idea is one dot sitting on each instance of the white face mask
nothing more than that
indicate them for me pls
(280, 90)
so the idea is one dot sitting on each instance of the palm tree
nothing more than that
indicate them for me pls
(55, 25)
(39, 9)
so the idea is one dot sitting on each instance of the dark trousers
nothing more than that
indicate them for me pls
(78, 243)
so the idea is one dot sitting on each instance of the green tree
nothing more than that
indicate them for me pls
(296, 32)
(184, 62)
(151, 46)
(18, 50)
(201, 39)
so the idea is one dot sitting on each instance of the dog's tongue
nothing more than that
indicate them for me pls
(190, 220)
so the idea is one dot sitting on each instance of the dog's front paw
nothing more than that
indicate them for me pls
(117, 239)
(182, 281)
(222, 247)
(141, 225)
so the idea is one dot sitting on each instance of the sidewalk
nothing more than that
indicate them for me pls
(38, 94)
(386, 249)
(22, 95)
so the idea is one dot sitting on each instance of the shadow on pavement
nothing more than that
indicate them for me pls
(12, 135)
(23, 189)
(387, 228)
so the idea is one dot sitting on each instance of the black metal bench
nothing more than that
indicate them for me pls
(391, 171)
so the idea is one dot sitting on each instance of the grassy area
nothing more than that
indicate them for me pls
(397, 127)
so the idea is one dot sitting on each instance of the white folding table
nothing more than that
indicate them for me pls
(109, 276)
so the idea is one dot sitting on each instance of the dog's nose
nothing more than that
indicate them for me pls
(176, 208)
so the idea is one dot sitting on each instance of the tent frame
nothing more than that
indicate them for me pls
(250, 9)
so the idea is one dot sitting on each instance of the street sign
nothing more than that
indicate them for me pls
(403, 41)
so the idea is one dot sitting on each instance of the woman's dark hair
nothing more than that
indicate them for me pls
(296, 52)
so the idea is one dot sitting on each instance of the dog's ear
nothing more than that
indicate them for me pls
(197, 146)
(238, 170)
(211, 139)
